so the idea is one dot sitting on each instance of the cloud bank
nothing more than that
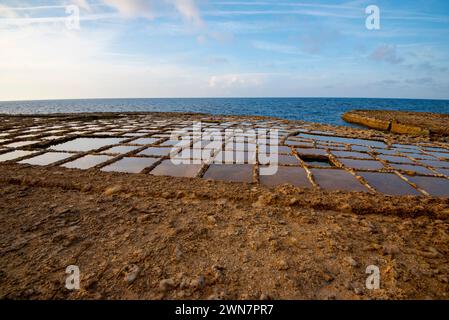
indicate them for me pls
(188, 9)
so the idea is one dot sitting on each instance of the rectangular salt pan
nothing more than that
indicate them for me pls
(47, 158)
(363, 142)
(86, 162)
(130, 165)
(86, 144)
(14, 155)
(388, 183)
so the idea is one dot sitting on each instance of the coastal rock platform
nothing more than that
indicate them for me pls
(126, 196)
(401, 122)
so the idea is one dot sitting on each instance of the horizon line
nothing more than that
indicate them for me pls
(221, 97)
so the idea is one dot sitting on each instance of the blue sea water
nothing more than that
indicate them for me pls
(324, 110)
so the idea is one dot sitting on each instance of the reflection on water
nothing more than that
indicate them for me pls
(86, 144)
(144, 141)
(86, 162)
(437, 187)
(363, 142)
(361, 164)
(21, 144)
(155, 151)
(130, 165)
(336, 179)
(388, 183)
(230, 172)
(395, 159)
(292, 175)
(318, 163)
(408, 167)
(120, 149)
(47, 158)
(14, 155)
(351, 154)
(167, 168)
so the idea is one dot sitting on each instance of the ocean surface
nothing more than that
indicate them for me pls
(324, 110)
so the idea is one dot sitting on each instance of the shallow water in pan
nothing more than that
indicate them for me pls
(361, 164)
(363, 142)
(230, 172)
(14, 155)
(438, 187)
(336, 179)
(86, 162)
(168, 168)
(86, 144)
(130, 165)
(156, 151)
(47, 158)
(296, 176)
(388, 183)
(120, 149)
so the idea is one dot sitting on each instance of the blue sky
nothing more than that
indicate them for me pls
(207, 48)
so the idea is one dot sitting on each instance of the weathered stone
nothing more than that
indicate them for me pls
(351, 261)
(166, 284)
(132, 274)
(112, 190)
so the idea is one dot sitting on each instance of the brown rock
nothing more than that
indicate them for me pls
(282, 265)
(198, 283)
(351, 261)
(132, 274)
(166, 284)
(112, 190)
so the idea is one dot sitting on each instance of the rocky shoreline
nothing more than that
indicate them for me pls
(402, 122)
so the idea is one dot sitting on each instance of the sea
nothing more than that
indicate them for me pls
(322, 110)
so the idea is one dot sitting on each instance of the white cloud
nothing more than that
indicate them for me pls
(148, 8)
(44, 61)
(6, 12)
(41, 59)
(133, 8)
(83, 4)
(243, 80)
(189, 11)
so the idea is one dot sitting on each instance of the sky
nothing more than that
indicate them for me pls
(220, 48)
